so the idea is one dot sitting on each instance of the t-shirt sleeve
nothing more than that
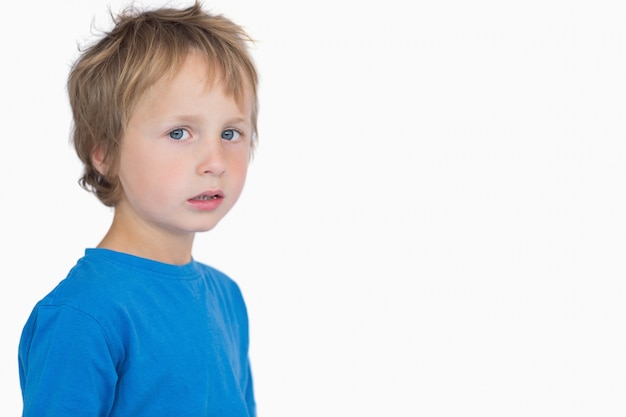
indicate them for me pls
(249, 394)
(66, 365)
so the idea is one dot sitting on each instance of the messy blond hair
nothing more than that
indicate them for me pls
(110, 76)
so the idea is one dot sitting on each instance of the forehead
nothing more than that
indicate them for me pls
(192, 89)
(196, 73)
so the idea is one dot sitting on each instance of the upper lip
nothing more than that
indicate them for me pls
(208, 193)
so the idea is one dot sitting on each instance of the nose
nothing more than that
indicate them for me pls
(212, 158)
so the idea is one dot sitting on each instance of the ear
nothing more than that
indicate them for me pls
(97, 159)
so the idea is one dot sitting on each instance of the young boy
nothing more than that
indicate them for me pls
(164, 108)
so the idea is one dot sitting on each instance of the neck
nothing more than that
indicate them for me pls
(137, 239)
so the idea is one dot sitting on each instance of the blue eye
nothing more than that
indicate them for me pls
(230, 134)
(179, 134)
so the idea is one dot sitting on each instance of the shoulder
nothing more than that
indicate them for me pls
(222, 286)
(91, 283)
(95, 289)
(218, 277)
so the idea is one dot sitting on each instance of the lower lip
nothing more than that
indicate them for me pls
(206, 205)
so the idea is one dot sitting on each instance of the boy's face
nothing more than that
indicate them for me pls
(184, 156)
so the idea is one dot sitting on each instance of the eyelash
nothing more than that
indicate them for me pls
(177, 129)
(238, 131)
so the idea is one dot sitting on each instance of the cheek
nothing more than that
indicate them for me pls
(148, 178)
(239, 169)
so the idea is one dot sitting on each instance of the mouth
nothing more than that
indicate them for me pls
(208, 196)
(205, 197)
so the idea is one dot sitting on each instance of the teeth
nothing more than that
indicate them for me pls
(207, 197)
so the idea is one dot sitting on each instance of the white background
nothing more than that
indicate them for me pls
(434, 223)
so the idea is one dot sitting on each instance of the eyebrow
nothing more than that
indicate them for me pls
(189, 118)
(239, 120)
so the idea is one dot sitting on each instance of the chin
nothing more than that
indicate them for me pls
(205, 228)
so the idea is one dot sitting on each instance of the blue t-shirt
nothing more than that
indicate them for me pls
(128, 336)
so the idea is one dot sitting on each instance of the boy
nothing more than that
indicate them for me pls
(164, 109)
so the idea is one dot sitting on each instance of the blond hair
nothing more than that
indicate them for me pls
(110, 76)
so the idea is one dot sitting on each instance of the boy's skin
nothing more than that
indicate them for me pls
(185, 139)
